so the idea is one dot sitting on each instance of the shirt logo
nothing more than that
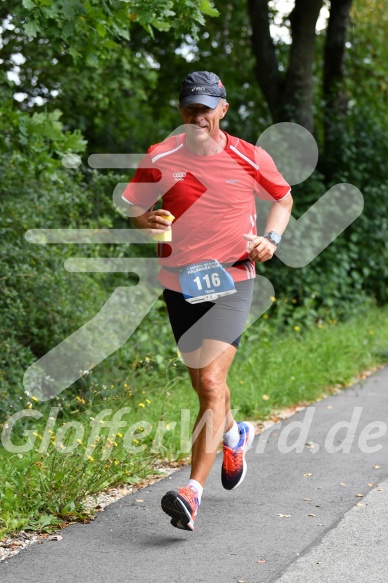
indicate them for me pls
(232, 180)
(179, 175)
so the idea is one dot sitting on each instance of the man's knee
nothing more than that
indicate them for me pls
(211, 387)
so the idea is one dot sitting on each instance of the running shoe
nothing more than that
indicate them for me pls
(234, 466)
(182, 506)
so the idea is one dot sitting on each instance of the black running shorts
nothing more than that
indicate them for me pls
(223, 319)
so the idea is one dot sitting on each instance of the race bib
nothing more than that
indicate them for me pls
(206, 281)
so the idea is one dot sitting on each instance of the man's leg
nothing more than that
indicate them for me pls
(208, 366)
(214, 417)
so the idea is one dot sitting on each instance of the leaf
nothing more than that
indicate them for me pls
(160, 25)
(284, 515)
(208, 9)
(307, 475)
(101, 29)
(313, 515)
(29, 4)
(31, 29)
(68, 10)
(122, 31)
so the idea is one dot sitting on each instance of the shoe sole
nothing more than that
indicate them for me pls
(247, 447)
(174, 507)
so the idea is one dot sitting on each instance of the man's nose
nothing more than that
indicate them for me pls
(197, 115)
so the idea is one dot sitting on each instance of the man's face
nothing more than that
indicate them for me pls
(205, 119)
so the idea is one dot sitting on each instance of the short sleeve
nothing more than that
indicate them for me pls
(271, 184)
(143, 190)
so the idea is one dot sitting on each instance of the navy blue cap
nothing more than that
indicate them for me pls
(201, 87)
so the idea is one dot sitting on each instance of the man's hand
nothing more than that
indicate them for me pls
(259, 248)
(153, 222)
(157, 223)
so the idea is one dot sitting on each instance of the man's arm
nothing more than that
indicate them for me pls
(260, 248)
(149, 219)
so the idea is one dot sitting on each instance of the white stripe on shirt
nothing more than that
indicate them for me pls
(244, 157)
(166, 153)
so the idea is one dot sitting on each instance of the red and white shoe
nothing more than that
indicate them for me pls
(182, 506)
(234, 466)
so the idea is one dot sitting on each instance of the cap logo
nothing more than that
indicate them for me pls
(198, 89)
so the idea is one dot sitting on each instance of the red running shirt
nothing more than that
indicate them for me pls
(211, 197)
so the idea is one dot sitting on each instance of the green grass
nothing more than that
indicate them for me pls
(43, 487)
(301, 366)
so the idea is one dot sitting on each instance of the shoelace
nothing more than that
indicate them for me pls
(190, 495)
(232, 459)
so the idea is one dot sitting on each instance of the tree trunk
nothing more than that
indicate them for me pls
(289, 96)
(334, 71)
(298, 95)
(267, 69)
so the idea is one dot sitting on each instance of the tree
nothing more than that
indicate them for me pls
(289, 93)
(78, 57)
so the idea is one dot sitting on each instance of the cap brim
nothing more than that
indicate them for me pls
(207, 100)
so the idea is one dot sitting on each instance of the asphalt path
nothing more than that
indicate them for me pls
(318, 513)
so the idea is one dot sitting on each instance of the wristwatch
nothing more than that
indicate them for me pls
(273, 236)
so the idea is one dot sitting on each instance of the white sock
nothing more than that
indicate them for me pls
(232, 437)
(198, 487)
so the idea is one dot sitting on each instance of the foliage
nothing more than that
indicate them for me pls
(367, 64)
(56, 483)
(35, 144)
(90, 31)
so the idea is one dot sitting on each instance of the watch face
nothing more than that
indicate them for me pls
(273, 237)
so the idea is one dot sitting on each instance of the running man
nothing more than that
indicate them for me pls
(208, 181)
